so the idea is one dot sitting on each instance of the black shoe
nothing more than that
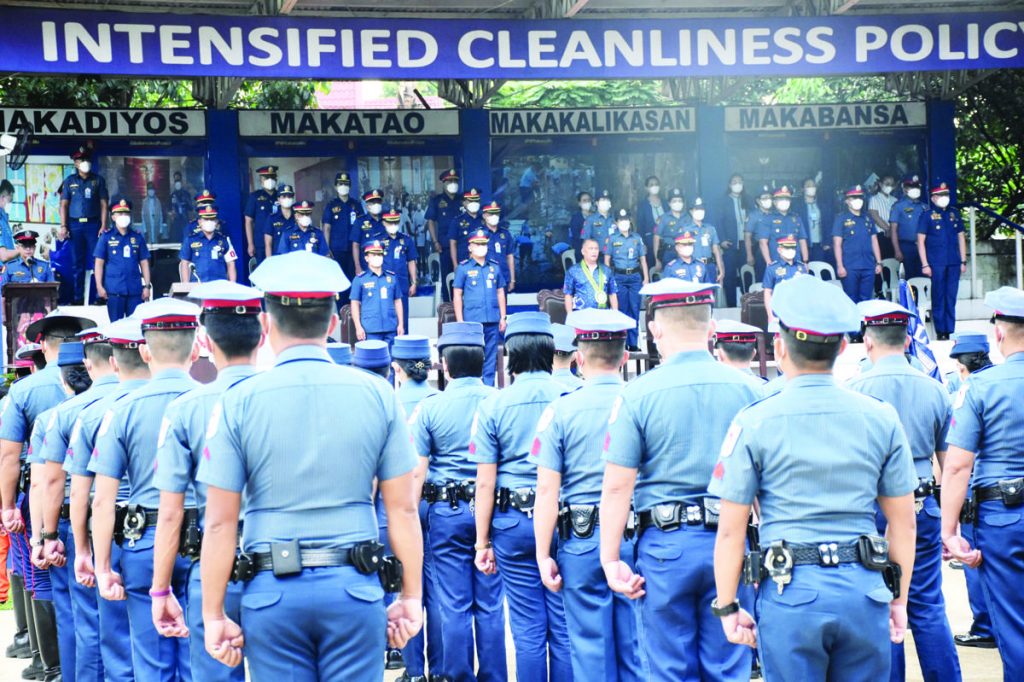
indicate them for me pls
(393, 660)
(633, 349)
(941, 336)
(34, 671)
(406, 677)
(19, 648)
(976, 641)
(53, 676)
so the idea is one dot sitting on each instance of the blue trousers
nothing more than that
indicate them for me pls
(120, 306)
(156, 658)
(603, 635)
(1000, 537)
(204, 667)
(629, 302)
(926, 607)
(65, 618)
(115, 647)
(386, 337)
(982, 625)
(415, 661)
(859, 285)
(911, 259)
(683, 640)
(828, 624)
(323, 624)
(536, 615)
(466, 599)
(732, 261)
(83, 241)
(79, 637)
(491, 337)
(945, 284)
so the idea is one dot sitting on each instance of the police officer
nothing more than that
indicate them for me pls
(302, 235)
(590, 284)
(786, 266)
(375, 299)
(707, 248)
(181, 208)
(670, 225)
(685, 266)
(400, 258)
(662, 436)
(280, 221)
(824, 607)
(479, 296)
(339, 215)
(124, 337)
(970, 353)
(758, 222)
(125, 447)
(463, 226)
(83, 211)
(209, 255)
(602, 625)
(204, 198)
(259, 206)
(300, 622)
(781, 222)
(341, 353)
(736, 345)
(565, 354)
(231, 322)
(855, 241)
(26, 268)
(817, 218)
(500, 440)
(368, 227)
(121, 257)
(924, 410)
(985, 437)
(600, 225)
(904, 217)
(441, 211)
(501, 247)
(466, 598)
(943, 252)
(625, 252)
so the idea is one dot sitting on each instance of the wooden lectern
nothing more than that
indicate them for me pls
(23, 304)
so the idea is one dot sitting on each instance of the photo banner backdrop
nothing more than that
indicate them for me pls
(180, 45)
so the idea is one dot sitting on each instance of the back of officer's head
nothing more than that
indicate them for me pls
(55, 336)
(76, 377)
(889, 337)
(737, 352)
(530, 353)
(129, 360)
(463, 361)
(236, 336)
(602, 354)
(972, 362)
(171, 347)
(309, 321)
(684, 322)
(98, 354)
(811, 356)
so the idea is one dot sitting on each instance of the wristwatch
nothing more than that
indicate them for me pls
(147, 286)
(49, 536)
(727, 610)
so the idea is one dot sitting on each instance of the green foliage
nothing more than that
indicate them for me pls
(579, 94)
(829, 90)
(278, 94)
(72, 92)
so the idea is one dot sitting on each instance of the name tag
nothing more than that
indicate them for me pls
(87, 193)
(398, 252)
(309, 247)
(706, 240)
(215, 254)
(384, 292)
(497, 247)
(127, 251)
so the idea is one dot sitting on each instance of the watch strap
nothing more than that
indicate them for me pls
(727, 610)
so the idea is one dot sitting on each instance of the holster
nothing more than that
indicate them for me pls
(892, 574)
(969, 512)
(391, 574)
(584, 520)
(712, 507)
(430, 492)
(367, 557)
(120, 513)
(191, 541)
(564, 522)
(454, 491)
(243, 569)
(753, 568)
(503, 498)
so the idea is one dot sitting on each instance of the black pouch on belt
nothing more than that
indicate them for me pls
(584, 519)
(1012, 491)
(120, 514)
(873, 552)
(391, 574)
(712, 507)
(892, 574)
(368, 556)
(286, 558)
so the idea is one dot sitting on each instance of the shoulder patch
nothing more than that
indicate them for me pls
(415, 414)
(165, 426)
(731, 438)
(616, 406)
(545, 420)
(961, 395)
(105, 424)
(215, 414)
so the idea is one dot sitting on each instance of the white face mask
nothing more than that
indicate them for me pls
(208, 225)
(810, 192)
(603, 205)
(493, 220)
(269, 184)
(586, 205)
(85, 166)
(765, 203)
(787, 254)
(653, 189)
(856, 204)
(698, 214)
(177, 185)
(391, 228)
(942, 201)
(676, 205)
(685, 251)
(304, 220)
(286, 201)
(123, 221)
(887, 189)
(452, 187)
(374, 208)
(473, 206)
(914, 193)
(782, 205)
(375, 260)
(623, 225)
(478, 250)
(343, 190)
(736, 187)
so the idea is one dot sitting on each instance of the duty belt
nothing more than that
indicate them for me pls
(580, 520)
(520, 499)
(451, 492)
(308, 558)
(674, 515)
(825, 554)
(926, 487)
(627, 271)
(1009, 491)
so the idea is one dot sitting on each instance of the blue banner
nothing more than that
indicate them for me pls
(919, 347)
(189, 45)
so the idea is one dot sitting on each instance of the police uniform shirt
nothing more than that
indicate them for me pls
(296, 239)
(340, 215)
(598, 227)
(816, 456)
(479, 284)
(38, 434)
(774, 385)
(499, 245)
(210, 255)
(27, 399)
(694, 271)
(626, 251)
(578, 286)
(127, 437)
(759, 223)
(276, 436)
(987, 421)
(183, 433)
(376, 295)
(84, 195)
(399, 251)
(122, 254)
(441, 427)
(26, 272)
(941, 229)
(443, 209)
(707, 238)
(366, 228)
(259, 206)
(906, 213)
(57, 443)
(777, 225)
(856, 232)
(569, 437)
(669, 423)
(459, 231)
(953, 384)
(504, 428)
(6, 235)
(671, 226)
(920, 401)
(780, 271)
(412, 393)
(567, 378)
(276, 225)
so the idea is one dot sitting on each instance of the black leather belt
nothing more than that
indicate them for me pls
(626, 271)
(309, 558)
(926, 487)
(673, 515)
(520, 499)
(995, 492)
(450, 491)
(824, 554)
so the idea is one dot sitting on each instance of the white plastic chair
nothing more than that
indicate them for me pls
(891, 279)
(434, 270)
(823, 271)
(748, 278)
(922, 288)
(754, 288)
(449, 282)
(568, 259)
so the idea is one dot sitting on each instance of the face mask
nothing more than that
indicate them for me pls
(375, 261)
(623, 225)
(208, 225)
(473, 206)
(123, 220)
(676, 205)
(856, 204)
(787, 254)
(151, 192)
(887, 189)
(942, 201)
(603, 205)
(391, 228)
(493, 220)
(85, 166)
(177, 185)
(586, 205)
(479, 251)
(286, 201)
(685, 251)
(782, 205)
(304, 220)
(269, 184)
(343, 190)
(374, 208)
(914, 193)
(736, 187)
(697, 214)
(810, 192)
(765, 203)
(452, 187)
(653, 189)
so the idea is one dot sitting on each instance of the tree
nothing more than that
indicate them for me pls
(579, 94)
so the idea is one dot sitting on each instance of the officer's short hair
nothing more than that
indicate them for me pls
(308, 321)
(530, 353)
(564, 355)
(464, 361)
(59, 334)
(6, 188)
(76, 378)
(588, 240)
(128, 359)
(237, 336)
(737, 352)
(688, 317)
(890, 335)
(810, 355)
(170, 346)
(99, 353)
(606, 353)
(416, 370)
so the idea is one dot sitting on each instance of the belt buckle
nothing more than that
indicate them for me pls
(82, 220)
(828, 554)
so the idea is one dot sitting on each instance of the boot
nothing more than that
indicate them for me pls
(46, 629)
(393, 660)
(19, 648)
(34, 671)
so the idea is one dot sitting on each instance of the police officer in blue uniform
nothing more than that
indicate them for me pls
(707, 248)
(565, 354)
(479, 296)
(466, 599)
(855, 241)
(303, 235)
(781, 222)
(312, 600)
(904, 217)
(208, 255)
(122, 265)
(259, 206)
(441, 211)
(463, 226)
(600, 225)
(26, 268)
(670, 225)
(985, 436)
(125, 447)
(759, 221)
(684, 266)
(339, 215)
(204, 198)
(736, 345)
(280, 221)
(500, 441)
(602, 625)
(231, 320)
(590, 284)
(400, 256)
(83, 211)
(786, 266)
(924, 410)
(501, 247)
(661, 441)
(943, 252)
(375, 299)
(825, 607)
(625, 253)
(368, 226)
